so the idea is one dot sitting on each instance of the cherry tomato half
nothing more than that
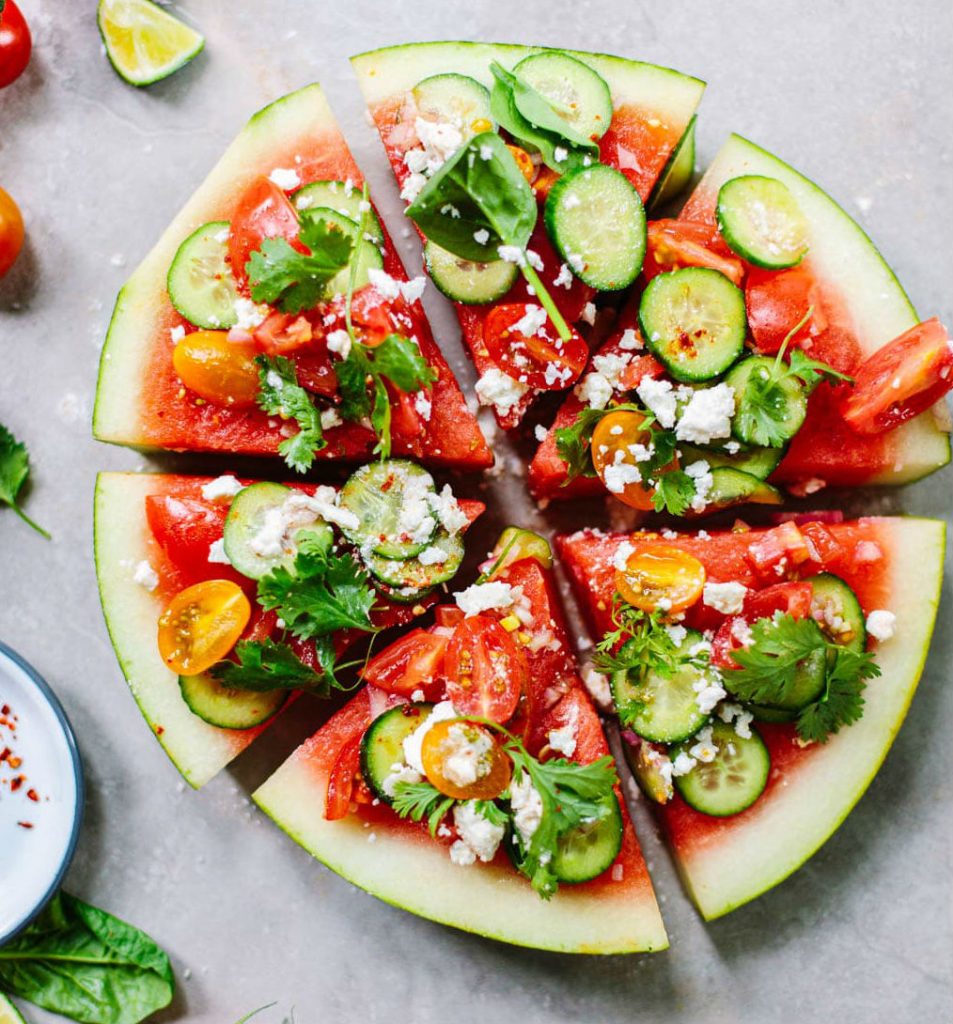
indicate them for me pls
(452, 751)
(219, 370)
(486, 672)
(537, 357)
(615, 461)
(410, 663)
(673, 244)
(901, 380)
(15, 44)
(11, 232)
(661, 577)
(263, 211)
(201, 625)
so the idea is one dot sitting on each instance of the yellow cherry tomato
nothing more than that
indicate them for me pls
(454, 750)
(523, 161)
(201, 625)
(661, 577)
(611, 447)
(11, 231)
(221, 371)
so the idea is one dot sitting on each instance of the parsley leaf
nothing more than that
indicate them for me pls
(270, 665)
(14, 470)
(280, 275)
(419, 800)
(280, 394)
(321, 593)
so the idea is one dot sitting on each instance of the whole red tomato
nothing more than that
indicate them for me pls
(15, 44)
(11, 232)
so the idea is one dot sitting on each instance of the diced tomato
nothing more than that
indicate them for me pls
(538, 358)
(792, 599)
(901, 380)
(263, 211)
(282, 333)
(777, 301)
(485, 670)
(638, 369)
(411, 663)
(315, 370)
(341, 780)
(777, 550)
(448, 615)
(823, 545)
(185, 528)
(674, 244)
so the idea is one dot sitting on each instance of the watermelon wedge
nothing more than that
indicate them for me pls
(141, 402)
(862, 299)
(653, 110)
(398, 861)
(126, 547)
(892, 564)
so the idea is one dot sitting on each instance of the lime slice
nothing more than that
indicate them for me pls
(143, 42)
(8, 1012)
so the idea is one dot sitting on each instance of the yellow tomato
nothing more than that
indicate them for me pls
(661, 576)
(221, 371)
(523, 161)
(611, 441)
(467, 744)
(201, 625)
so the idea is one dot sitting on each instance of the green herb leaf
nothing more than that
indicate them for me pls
(79, 961)
(280, 394)
(810, 371)
(419, 800)
(265, 665)
(842, 702)
(674, 491)
(14, 470)
(639, 644)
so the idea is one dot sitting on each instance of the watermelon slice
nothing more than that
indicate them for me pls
(141, 402)
(398, 861)
(862, 298)
(124, 543)
(653, 109)
(892, 564)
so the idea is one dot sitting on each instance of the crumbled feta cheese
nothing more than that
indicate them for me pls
(285, 178)
(275, 536)
(399, 773)
(618, 475)
(216, 552)
(526, 805)
(461, 854)
(708, 694)
(464, 752)
(176, 334)
(727, 598)
(589, 313)
(683, 763)
(447, 509)
(677, 634)
(704, 748)
(423, 405)
(540, 433)
(707, 415)
(734, 712)
(867, 551)
(413, 289)
(439, 140)
(481, 837)
(499, 390)
(226, 486)
(700, 472)
(531, 322)
(482, 597)
(630, 340)
(564, 278)
(481, 236)
(434, 555)
(563, 740)
(330, 418)
(512, 254)
(660, 400)
(560, 153)
(594, 390)
(441, 712)
(248, 315)
(621, 557)
(416, 518)
(145, 576)
(881, 624)
(741, 631)
(597, 683)
(339, 342)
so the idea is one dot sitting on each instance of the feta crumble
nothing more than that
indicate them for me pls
(483, 597)
(226, 486)
(881, 624)
(727, 598)
(527, 807)
(339, 342)
(480, 837)
(216, 552)
(145, 576)
(659, 398)
(285, 178)
(707, 415)
(499, 390)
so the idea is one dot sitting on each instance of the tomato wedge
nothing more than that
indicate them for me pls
(531, 351)
(777, 301)
(674, 244)
(411, 663)
(778, 549)
(486, 672)
(263, 211)
(341, 780)
(901, 380)
(185, 529)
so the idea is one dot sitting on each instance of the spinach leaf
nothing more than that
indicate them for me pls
(79, 961)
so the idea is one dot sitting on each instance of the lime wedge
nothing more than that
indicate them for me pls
(8, 1012)
(143, 42)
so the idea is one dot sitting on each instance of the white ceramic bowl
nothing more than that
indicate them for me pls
(33, 860)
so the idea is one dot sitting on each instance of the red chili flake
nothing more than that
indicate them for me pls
(160, 729)
(16, 783)
(14, 761)
(5, 710)
(31, 794)
(4, 754)
(25, 824)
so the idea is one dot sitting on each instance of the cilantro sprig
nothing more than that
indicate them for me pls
(640, 643)
(419, 800)
(280, 394)
(265, 665)
(14, 470)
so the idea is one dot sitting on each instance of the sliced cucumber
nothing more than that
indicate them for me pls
(589, 849)
(226, 706)
(382, 745)
(835, 608)
(761, 221)
(402, 595)
(596, 221)
(677, 172)
(335, 195)
(733, 781)
(368, 254)
(693, 321)
(763, 713)
(456, 99)
(645, 768)
(577, 93)
(662, 709)
(402, 573)
(809, 682)
(466, 281)
(785, 402)
(733, 487)
(759, 462)
(200, 281)
(248, 515)
(390, 500)
(515, 544)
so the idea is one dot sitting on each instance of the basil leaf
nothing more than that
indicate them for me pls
(479, 189)
(79, 961)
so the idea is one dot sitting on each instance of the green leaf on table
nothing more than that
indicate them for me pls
(14, 470)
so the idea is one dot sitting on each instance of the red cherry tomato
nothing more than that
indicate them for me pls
(901, 380)
(341, 780)
(777, 301)
(448, 615)
(263, 211)
(538, 358)
(15, 44)
(411, 663)
(11, 232)
(282, 333)
(485, 670)
(674, 244)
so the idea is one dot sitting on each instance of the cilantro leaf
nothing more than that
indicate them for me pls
(400, 360)
(674, 491)
(419, 800)
(14, 470)
(269, 665)
(573, 442)
(321, 593)
(842, 702)
(640, 643)
(280, 275)
(280, 394)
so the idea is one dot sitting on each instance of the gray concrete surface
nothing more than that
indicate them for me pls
(856, 93)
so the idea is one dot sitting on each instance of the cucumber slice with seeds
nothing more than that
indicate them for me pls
(678, 170)
(788, 404)
(761, 221)
(411, 572)
(382, 745)
(589, 849)
(467, 281)
(835, 608)
(335, 195)
(693, 321)
(577, 93)
(390, 500)
(227, 707)
(733, 781)
(457, 99)
(596, 221)
(200, 282)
